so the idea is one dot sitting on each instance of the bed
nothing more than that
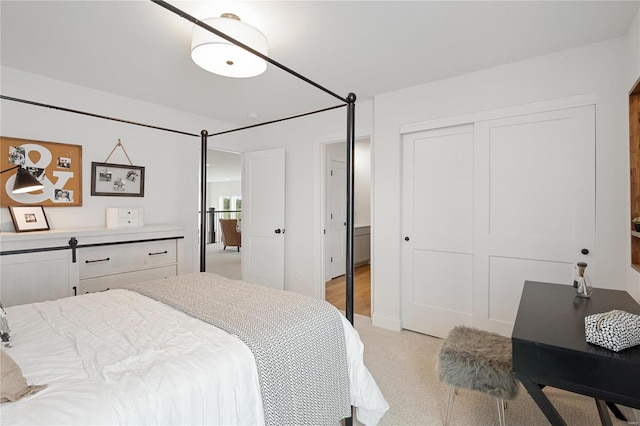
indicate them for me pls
(121, 357)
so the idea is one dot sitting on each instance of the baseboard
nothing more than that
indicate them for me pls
(388, 323)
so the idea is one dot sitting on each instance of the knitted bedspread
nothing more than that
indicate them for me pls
(298, 342)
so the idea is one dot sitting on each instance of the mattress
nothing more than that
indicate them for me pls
(118, 357)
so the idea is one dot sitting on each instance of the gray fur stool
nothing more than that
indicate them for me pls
(479, 360)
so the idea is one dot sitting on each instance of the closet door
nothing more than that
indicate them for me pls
(437, 227)
(534, 202)
(490, 205)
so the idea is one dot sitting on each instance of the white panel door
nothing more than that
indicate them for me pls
(437, 226)
(336, 220)
(263, 217)
(534, 206)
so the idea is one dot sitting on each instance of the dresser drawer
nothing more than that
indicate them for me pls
(90, 285)
(123, 222)
(112, 259)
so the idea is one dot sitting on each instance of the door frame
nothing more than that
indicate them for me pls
(208, 190)
(474, 117)
(319, 189)
(210, 143)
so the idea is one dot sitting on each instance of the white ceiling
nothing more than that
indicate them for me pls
(141, 50)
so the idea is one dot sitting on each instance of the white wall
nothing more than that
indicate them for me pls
(171, 160)
(301, 139)
(634, 50)
(362, 183)
(599, 69)
(219, 189)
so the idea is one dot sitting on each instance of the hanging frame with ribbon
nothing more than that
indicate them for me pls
(119, 180)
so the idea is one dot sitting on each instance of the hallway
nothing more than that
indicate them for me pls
(223, 262)
(335, 291)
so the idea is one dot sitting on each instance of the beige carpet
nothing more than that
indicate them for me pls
(404, 366)
(223, 262)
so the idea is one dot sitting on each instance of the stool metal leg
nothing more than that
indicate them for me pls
(452, 395)
(501, 418)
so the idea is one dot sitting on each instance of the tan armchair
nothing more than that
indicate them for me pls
(230, 234)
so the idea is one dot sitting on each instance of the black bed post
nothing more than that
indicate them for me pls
(351, 116)
(351, 125)
(203, 200)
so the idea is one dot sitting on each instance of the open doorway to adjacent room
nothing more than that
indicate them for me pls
(224, 213)
(334, 220)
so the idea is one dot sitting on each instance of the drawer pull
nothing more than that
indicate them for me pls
(160, 252)
(97, 260)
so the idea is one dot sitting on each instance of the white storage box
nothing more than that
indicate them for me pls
(124, 217)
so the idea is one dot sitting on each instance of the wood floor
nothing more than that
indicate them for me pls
(335, 291)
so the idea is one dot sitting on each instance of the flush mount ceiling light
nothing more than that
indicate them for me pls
(220, 56)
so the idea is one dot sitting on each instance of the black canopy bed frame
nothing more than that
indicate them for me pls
(348, 101)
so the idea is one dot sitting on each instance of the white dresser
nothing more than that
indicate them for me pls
(38, 266)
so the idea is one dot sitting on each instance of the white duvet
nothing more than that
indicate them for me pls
(117, 357)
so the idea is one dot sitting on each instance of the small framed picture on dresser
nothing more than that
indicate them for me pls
(29, 218)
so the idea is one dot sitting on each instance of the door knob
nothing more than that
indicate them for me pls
(278, 231)
(406, 238)
(584, 251)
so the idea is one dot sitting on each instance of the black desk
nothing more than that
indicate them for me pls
(549, 348)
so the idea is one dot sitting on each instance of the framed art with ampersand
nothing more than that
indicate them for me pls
(57, 166)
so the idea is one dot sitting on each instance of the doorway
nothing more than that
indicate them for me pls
(224, 196)
(334, 224)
